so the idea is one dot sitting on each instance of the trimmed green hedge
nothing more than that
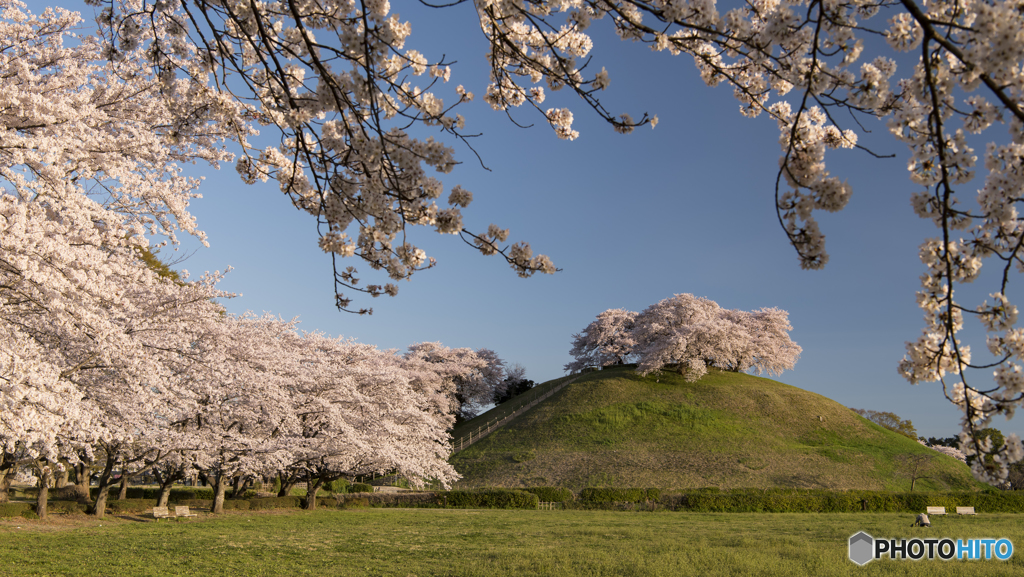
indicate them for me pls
(338, 486)
(177, 494)
(131, 505)
(236, 504)
(822, 501)
(197, 503)
(491, 499)
(611, 495)
(15, 509)
(66, 507)
(355, 503)
(551, 494)
(263, 503)
(360, 488)
(191, 493)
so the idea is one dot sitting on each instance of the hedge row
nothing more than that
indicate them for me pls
(15, 509)
(491, 499)
(551, 494)
(822, 501)
(611, 495)
(263, 503)
(698, 500)
(404, 500)
(183, 494)
(66, 507)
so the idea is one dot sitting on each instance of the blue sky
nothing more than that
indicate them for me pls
(631, 219)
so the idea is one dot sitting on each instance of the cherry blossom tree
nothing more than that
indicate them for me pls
(94, 338)
(359, 413)
(952, 452)
(243, 407)
(87, 168)
(462, 380)
(607, 341)
(693, 333)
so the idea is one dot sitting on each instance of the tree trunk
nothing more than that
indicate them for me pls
(220, 486)
(123, 493)
(83, 471)
(312, 486)
(6, 476)
(165, 494)
(166, 482)
(44, 488)
(62, 476)
(238, 486)
(286, 486)
(99, 509)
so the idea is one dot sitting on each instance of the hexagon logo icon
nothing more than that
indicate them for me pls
(861, 548)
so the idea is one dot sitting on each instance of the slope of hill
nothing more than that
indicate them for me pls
(616, 428)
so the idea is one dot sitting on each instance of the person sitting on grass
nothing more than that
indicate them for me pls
(922, 521)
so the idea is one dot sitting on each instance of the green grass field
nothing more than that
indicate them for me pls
(410, 542)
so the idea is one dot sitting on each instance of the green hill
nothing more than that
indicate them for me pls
(728, 430)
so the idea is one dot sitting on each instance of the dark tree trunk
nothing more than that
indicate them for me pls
(165, 494)
(63, 476)
(6, 476)
(44, 489)
(99, 508)
(83, 471)
(166, 482)
(220, 485)
(287, 483)
(241, 485)
(123, 493)
(313, 485)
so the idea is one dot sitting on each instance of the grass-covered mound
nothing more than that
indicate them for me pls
(614, 428)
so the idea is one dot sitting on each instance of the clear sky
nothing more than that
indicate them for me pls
(631, 219)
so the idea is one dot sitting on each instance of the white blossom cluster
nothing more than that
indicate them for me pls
(690, 334)
(951, 451)
(463, 380)
(607, 341)
(338, 82)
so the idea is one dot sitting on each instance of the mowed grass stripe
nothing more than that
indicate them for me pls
(400, 543)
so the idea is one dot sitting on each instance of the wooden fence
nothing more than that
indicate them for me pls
(489, 427)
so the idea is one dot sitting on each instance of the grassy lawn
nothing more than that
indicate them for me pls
(421, 542)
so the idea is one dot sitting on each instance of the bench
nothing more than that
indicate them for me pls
(965, 511)
(182, 511)
(936, 511)
(162, 513)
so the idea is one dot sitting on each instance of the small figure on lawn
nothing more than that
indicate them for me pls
(922, 521)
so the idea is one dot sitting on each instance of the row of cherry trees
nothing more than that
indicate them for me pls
(689, 334)
(109, 359)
